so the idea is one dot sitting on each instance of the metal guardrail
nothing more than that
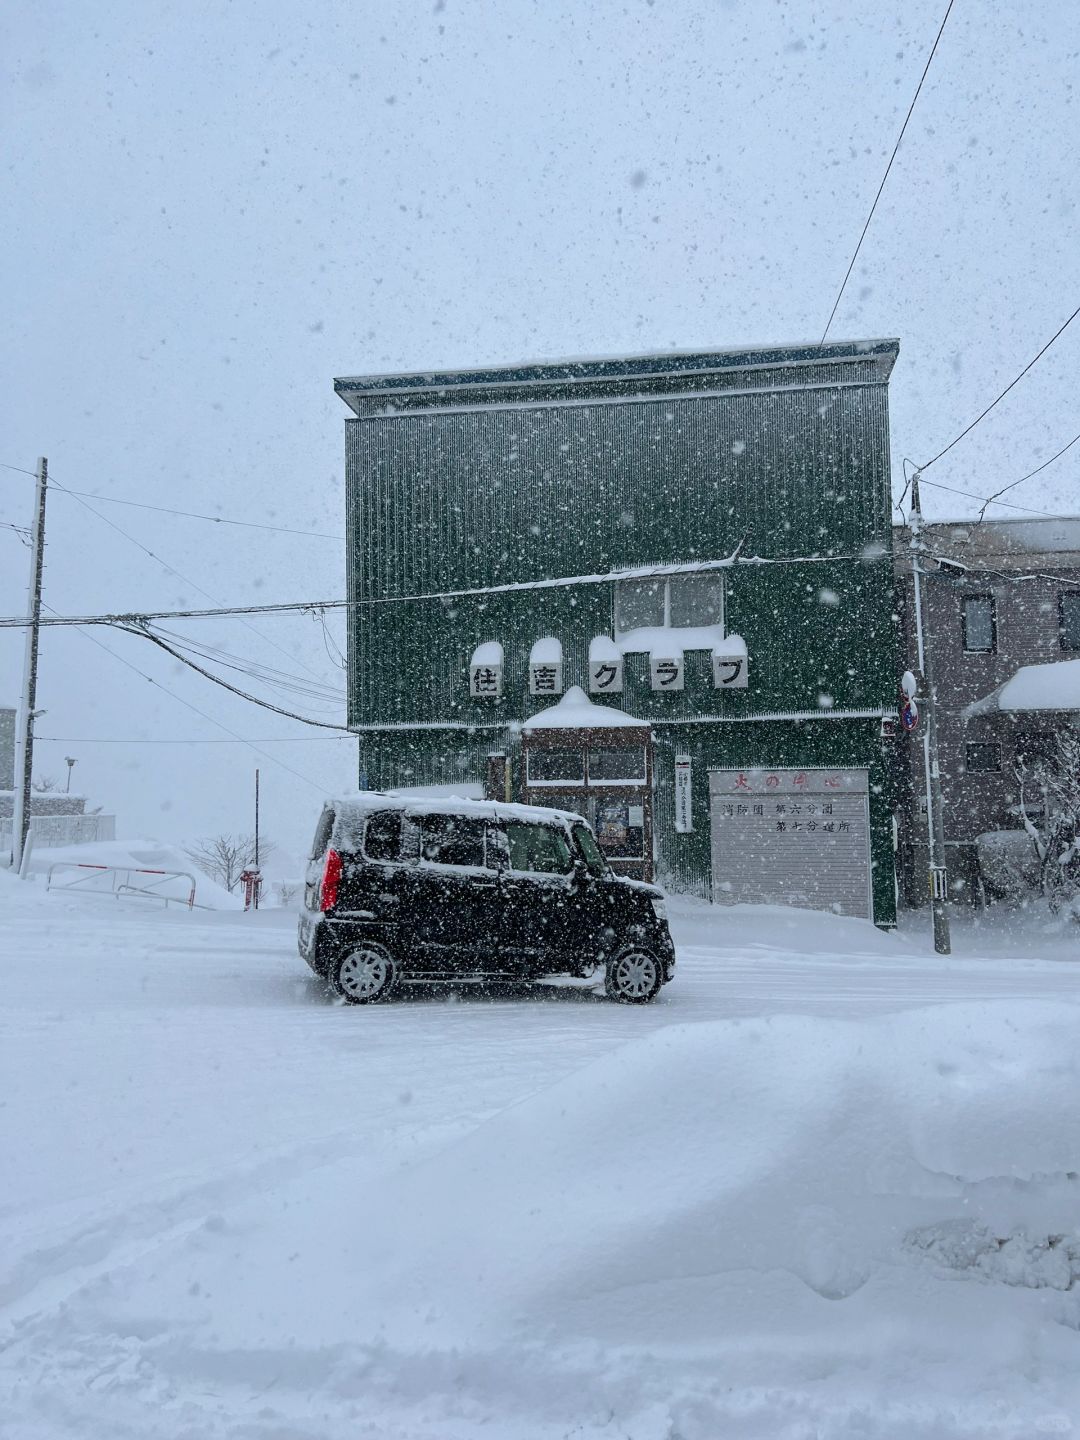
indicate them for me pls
(120, 882)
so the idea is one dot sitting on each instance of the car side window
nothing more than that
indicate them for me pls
(538, 849)
(323, 831)
(453, 840)
(382, 836)
(590, 851)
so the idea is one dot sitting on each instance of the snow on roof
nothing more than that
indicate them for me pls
(602, 648)
(575, 711)
(669, 641)
(1055, 686)
(546, 651)
(488, 653)
(349, 810)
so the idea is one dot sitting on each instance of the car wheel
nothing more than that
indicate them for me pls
(362, 975)
(633, 977)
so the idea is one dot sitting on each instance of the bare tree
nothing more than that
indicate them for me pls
(1050, 811)
(287, 892)
(225, 857)
(46, 785)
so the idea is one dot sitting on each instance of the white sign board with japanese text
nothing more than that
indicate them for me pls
(606, 677)
(546, 678)
(485, 682)
(787, 836)
(730, 672)
(684, 814)
(667, 673)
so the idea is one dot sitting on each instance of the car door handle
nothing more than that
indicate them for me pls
(390, 899)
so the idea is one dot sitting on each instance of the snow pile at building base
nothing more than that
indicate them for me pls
(771, 1227)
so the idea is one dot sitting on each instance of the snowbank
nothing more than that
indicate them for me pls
(775, 1227)
(135, 855)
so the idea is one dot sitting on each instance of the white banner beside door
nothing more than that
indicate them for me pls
(684, 812)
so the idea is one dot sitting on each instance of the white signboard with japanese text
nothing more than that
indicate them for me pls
(485, 682)
(606, 677)
(730, 672)
(787, 836)
(684, 814)
(667, 673)
(546, 677)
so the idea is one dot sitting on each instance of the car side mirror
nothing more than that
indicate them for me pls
(582, 875)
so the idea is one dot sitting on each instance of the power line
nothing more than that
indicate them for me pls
(640, 572)
(993, 499)
(1004, 392)
(162, 644)
(971, 495)
(190, 514)
(202, 713)
(888, 167)
(187, 740)
(177, 575)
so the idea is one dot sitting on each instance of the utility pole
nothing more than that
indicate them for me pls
(258, 880)
(935, 815)
(24, 735)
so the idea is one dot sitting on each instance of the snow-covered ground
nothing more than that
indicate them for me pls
(826, 1186)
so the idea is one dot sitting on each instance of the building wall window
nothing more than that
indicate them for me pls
(679, 602)
(982, 755)
(1032, 746)
(1069, 603)
(980, 626)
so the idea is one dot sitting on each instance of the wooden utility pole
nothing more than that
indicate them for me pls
(935, 815)
(24, 735)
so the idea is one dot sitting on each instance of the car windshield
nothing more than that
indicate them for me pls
(590, 851)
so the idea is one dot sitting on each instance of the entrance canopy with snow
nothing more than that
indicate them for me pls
(1055, 686)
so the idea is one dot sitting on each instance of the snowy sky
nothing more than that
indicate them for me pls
(211, 211)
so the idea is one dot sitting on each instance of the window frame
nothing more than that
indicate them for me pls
(563, 784)
(970, 745)
(1074, 596)
(554, 829)
(485, 858)
(665, 581)
(989, 598)
(636, 781)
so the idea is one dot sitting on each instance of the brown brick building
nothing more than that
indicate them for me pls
(1007, 597)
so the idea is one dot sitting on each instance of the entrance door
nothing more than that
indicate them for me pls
(791, 837)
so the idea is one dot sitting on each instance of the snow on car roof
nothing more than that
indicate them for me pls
(353, 808)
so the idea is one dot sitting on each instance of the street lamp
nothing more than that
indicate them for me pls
(70, 762)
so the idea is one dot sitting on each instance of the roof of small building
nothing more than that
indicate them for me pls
(575, 711)
(1055, 686)
(353, 389)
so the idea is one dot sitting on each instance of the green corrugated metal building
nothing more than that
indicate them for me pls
(469, 492)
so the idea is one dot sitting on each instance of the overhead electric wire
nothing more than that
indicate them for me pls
(187, 514)
(993, 499)
(202, 713)
(888, 167)
(186, 740)
(290, 683)
(1005, 504)
(176, 573)
(162, 644)
(982, 416)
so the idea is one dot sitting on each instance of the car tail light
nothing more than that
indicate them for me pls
(331, 879)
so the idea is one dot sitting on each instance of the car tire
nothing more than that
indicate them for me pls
(362, 974)
(634, 977)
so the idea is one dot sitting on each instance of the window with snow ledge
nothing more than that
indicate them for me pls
(674, 602)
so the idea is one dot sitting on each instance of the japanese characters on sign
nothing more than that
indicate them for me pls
(730, 672)
(485, 681)
(545, 677)
(667, 673)
(684, 815)
(606, 676)
(790, 781)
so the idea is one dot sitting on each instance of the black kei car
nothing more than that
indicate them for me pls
(403, 890)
